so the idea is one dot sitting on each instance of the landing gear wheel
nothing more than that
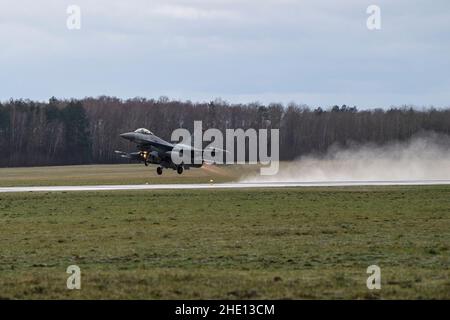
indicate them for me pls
(146, 163)
(180, 169)
(159, 171)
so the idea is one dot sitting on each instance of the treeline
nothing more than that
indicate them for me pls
(86, 131)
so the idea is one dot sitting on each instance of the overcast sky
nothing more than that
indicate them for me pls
(314, 52)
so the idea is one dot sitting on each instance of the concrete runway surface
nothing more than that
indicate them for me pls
(235, 185)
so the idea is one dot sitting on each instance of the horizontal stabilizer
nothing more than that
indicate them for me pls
(123, 154)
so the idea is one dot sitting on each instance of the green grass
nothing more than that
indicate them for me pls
(256, 244)
(115, 174)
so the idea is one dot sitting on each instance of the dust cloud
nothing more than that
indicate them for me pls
(423, 157)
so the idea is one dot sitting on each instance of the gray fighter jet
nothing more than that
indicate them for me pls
(154, 150)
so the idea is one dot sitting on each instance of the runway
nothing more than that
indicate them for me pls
(236, 185)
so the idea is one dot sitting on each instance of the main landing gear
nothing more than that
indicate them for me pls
(159, 170)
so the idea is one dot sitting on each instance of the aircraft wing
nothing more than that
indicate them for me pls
(126, 155)
(157, 142)
(216, 149)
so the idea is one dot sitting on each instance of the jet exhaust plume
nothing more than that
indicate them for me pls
(425, 156)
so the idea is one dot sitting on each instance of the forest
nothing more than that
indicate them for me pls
(86, 131)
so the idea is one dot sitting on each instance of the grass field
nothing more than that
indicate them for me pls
(116, 174)
(249, 244)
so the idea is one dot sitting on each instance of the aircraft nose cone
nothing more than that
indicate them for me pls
(127, 135)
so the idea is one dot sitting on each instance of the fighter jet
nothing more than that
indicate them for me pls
(154, 150)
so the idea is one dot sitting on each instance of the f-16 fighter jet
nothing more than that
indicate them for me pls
(154, 150)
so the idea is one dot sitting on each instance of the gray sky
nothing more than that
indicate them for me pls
(313, 52)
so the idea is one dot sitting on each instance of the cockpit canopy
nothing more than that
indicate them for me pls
(143, 131)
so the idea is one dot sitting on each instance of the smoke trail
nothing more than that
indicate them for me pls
(423, 157)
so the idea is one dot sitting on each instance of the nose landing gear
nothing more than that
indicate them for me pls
(159, 170)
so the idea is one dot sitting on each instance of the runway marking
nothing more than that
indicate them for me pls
(222, 185)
